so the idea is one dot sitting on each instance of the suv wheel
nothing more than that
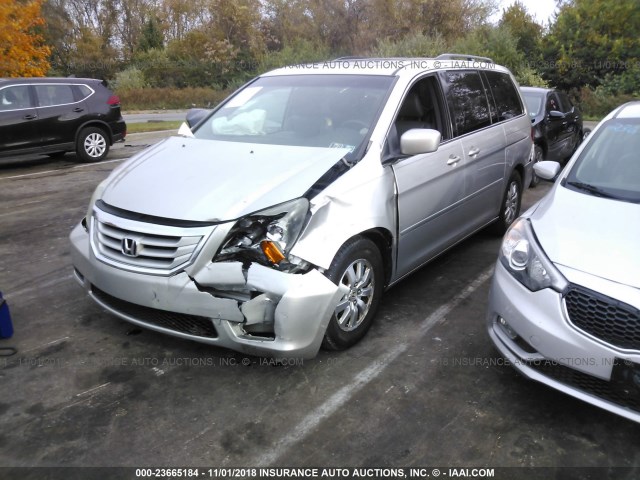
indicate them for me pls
(510, 206)
(357, 268)
(93, 144)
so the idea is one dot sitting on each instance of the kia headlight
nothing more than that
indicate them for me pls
(523, 257)
(266, 236)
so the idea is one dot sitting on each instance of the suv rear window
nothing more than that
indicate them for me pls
(49, 95)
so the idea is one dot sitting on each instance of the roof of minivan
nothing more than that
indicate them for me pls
(48, 80)
(385, 66)
(536, 89)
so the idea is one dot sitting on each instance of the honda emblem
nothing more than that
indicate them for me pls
(130, 247)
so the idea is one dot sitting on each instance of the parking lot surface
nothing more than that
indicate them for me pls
(424, 388)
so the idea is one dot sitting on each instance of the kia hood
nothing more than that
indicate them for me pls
(592, 234)
(209, 180)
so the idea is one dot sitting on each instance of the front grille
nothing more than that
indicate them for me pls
(605, 318)
(588, 384)
(144, 247)
(178, 322)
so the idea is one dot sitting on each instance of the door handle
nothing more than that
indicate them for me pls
(30, 116)
(474, 151)
(78, 109)
(453, 159)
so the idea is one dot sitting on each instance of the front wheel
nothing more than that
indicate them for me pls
(92, 145)
(510, 206)
(357, 269)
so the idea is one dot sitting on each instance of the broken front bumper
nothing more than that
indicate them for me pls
(291, 311)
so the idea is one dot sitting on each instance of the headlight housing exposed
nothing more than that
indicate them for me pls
(266, 236)
(523, 257)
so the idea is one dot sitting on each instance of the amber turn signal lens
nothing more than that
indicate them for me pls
(272, 251)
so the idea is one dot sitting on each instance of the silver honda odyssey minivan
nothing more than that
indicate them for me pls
(273, 224)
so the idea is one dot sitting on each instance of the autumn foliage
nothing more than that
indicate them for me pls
(22, 50)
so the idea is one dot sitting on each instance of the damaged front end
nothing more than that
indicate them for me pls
(239, 286)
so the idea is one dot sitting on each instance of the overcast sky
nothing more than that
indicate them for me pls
(542, 10)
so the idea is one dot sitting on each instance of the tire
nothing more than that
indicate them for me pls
(510, 205)
(92, 145)
(538, 156)
(357, 264)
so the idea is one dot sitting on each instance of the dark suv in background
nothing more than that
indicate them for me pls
(556, 123)
(57, 115)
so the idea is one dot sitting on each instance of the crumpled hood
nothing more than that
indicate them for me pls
(592, 234)
(209, 180)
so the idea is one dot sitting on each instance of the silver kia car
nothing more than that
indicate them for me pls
(564, 307)
(273, 224)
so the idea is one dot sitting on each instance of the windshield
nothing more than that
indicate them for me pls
(534, 103)
(332, 111)
(609, 165)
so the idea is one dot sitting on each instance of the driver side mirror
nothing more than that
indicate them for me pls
(419, 140)
(556, 114)
(547, 170)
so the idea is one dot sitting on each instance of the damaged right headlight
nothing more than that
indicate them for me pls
(266, 236)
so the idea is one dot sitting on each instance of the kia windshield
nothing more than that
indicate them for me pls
(609, 165)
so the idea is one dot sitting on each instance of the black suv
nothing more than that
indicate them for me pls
(556, 123)
(57, 115)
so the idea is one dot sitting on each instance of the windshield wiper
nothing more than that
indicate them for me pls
(587, 187)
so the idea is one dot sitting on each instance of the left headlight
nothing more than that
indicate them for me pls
(266, 236)
(523, 257)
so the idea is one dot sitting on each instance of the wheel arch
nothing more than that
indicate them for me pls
(384, 241)
(98, 124)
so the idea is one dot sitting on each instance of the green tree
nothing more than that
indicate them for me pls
(524, 28)
(151, 36)
(590, 39)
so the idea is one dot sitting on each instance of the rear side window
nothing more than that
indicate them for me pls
(15, 98)
(506, 98)
(82, 91)
(467, 101)
(49, 95)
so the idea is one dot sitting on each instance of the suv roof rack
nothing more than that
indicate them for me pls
(453, 56)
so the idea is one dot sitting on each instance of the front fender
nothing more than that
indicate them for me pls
(360, 200)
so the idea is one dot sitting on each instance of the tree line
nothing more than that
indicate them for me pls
(589, 48)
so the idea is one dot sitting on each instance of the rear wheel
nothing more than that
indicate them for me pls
(510, 206)
(93, 144)
(357, 269)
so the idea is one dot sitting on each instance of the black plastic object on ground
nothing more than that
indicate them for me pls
(6, 327)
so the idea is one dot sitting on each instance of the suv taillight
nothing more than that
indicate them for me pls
(113, 100)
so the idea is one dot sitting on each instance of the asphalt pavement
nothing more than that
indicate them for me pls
(425, 388)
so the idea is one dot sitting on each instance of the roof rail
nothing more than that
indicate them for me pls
(453, 56)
